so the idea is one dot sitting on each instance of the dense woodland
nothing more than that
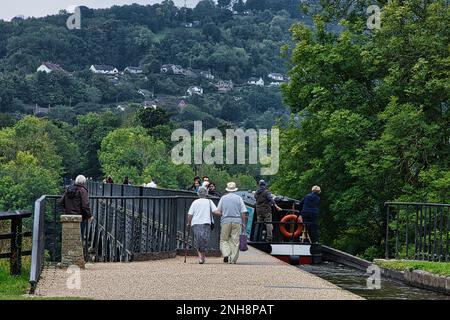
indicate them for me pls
(369, 109)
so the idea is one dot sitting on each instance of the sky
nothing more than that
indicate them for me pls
(39, 8)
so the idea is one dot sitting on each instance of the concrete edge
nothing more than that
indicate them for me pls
(331, 254)
(258, 251)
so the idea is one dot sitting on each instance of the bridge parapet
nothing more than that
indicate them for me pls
(130, 223)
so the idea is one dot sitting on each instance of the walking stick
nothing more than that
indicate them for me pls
(186, 243)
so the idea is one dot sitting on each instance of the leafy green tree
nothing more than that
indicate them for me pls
(89, 133)
(211, 31)
(128, 152)
(6, 120)
(168, 175)
(23, 180)
(30, 164)
(372, 123)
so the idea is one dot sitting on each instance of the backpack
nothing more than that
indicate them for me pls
(71, 191)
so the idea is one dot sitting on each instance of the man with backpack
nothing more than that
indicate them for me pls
(75, 200)
(264, 203)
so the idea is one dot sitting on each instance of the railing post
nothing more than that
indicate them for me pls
(71, 246)
(387, 232)
(16, 247)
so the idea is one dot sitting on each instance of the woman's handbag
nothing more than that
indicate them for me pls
(212, 217)
(243, 241)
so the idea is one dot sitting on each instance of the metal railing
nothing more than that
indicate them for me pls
(418, 231)
(46, 245)
(15, 236)
(130, 223)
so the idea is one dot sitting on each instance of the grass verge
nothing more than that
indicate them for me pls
(439, 268)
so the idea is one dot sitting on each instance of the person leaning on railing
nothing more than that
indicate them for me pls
(75, 201)
(309, 209)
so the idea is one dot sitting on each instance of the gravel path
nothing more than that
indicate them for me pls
(256, 276)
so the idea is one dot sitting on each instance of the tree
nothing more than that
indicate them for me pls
(224, 4)
(30, 164)
(373, 122)
(6, 120)
(150, 118)
(211, 31)
(128, 152)
(89, 132)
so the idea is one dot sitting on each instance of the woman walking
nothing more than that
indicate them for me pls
(200, 219)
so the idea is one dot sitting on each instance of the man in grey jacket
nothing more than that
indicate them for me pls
(232, 210)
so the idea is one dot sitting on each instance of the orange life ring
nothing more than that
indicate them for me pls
(287, 218)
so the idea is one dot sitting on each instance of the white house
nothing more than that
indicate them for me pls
(122, 108)
(224, 86)
(275, 84)
(49, 67)
(172, 69)
(39, 111)
(207, 75)
(150, 104)
(133, 70)
(103, 69)
(145, 93)
(277, 76)
(256, 82)
(194, 90)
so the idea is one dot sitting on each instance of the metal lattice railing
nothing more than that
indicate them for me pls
(418, 231)
(129, 223)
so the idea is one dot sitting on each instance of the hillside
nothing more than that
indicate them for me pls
(208, 44)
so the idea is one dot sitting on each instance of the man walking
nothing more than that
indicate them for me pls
(232, 210)
(264, 203)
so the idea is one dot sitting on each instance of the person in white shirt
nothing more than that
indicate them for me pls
(200, 218)
(152, 184)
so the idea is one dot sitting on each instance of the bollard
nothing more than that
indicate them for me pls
(71, 246)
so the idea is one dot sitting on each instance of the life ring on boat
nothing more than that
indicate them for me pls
(289, 218)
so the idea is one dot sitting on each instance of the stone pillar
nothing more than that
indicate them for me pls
(71, 244)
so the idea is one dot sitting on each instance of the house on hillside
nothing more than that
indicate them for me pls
(207, 75)
(182, 104)
(145, 93)
(122, 108)
(39, 111)
(104, 69)
(194, 90)
(224, 86)
(276, 76)
(172, 69)
(256, 82)
(133, 70)
(49, 67)
(150, 104)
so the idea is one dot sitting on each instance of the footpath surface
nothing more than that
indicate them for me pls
(256, 276)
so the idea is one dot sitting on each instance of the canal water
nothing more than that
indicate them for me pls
(354, 280)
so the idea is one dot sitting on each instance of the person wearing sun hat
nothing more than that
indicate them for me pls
(232, 210)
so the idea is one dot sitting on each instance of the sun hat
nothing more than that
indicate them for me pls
(231, 187)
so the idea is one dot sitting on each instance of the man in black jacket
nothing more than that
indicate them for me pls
(309, 209)
(264, 203)
(76, 201)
